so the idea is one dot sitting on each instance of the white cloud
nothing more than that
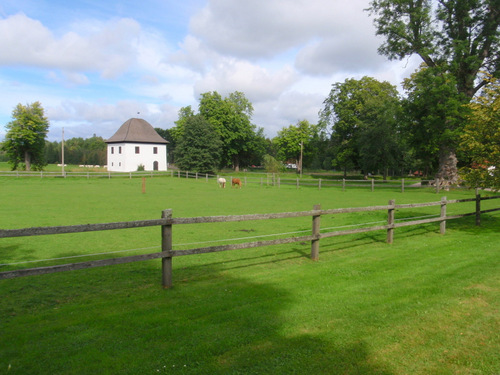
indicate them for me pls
(343, 53)
(284, 55)
(256, 82)
(82, 119)
(106, 49)
(261, 28)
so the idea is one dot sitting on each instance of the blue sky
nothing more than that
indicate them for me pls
(94, 64)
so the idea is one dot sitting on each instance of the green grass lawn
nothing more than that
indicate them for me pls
(427, 304)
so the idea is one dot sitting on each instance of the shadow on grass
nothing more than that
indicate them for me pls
(119, 320)
(489, 224)
(11, 254)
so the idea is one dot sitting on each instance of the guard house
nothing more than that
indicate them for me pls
(136, 143)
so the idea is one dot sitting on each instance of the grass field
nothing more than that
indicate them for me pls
(427, 304)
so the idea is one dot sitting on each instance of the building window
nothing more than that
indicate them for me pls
(112, 150)
(155, 150)
(120, 149)
(136, 149)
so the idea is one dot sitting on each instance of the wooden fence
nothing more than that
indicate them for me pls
(167, 221)
(262, 179)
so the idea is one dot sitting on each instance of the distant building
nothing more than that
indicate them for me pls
(136, 143)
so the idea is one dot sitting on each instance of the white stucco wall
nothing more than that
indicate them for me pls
(123, 158)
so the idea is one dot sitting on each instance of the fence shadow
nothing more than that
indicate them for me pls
(10, 254)
(489, 224)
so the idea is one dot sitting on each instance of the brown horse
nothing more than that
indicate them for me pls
(236, 182)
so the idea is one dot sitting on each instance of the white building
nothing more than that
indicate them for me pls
(136, 143)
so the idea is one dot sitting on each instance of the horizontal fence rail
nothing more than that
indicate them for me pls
(167, 221)
(254, 178)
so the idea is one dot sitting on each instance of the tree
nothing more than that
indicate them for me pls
(255, 150)
(457, 37)
(25, 138)
(271, 165)
(293, 141)
(380, 142)
(480, 140)
(167, 134)
(435, 117)
(177, 131)
(363, 115)
(231, 117)
(199, 149)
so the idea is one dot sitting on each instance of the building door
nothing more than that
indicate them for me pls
(155, 166)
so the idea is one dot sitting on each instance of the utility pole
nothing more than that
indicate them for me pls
(62, 152)
(301, 152)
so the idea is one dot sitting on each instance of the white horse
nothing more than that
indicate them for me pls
(222, 182)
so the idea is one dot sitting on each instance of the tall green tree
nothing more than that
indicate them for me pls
(231, 117)
(457, 37)
(294, 141)
(199, 148)
(363, 115)
(480, 140)
(436, 113)
(177, 131)
(25, 139)
(167, 134)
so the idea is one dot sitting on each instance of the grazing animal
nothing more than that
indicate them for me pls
(222, 182)
(236, 182)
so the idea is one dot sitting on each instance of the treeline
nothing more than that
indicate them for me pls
(90, 151)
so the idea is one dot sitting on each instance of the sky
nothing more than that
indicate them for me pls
(94, 64)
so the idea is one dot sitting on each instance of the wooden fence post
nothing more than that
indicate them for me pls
(279, 181)
(319, 184)
(478, 209)
(297, 183)
(373, 184)
(179, 173)
(390, 221)
(166, 245)
(442, 225)
(343, 184)
(402, 185)
(315, 232)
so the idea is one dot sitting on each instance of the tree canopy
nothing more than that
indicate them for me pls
(436, 114)
(293, 140)
(459, 36)
(231, 117)
(363, 115)
(25, 139)
(480, 140)
(454, 38)
(199, 148)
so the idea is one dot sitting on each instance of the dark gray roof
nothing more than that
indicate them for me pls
(136, 130)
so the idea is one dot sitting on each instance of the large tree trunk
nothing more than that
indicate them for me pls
(27, 160)
(236, 163)
(448, 171)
